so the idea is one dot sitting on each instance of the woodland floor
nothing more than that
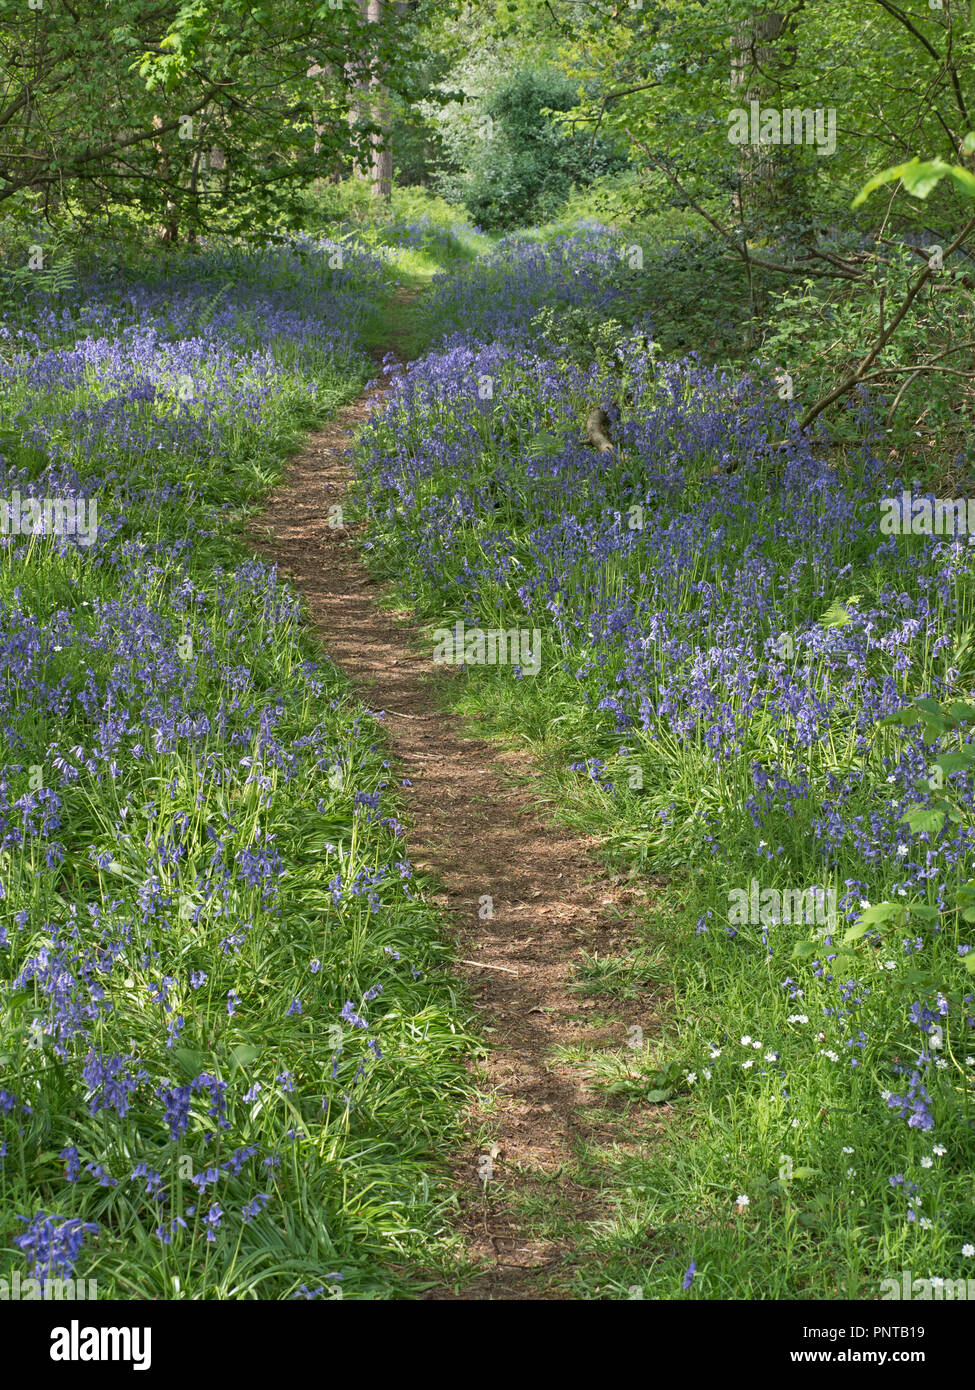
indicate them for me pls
(475, 826)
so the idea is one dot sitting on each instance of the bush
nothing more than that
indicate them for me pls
(528, 161)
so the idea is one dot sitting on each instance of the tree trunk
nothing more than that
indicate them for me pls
(753, 58)
(382, 153)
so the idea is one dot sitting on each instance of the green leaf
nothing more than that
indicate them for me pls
(906, 716)
(919, 177)
(872, 917)
(243, 1054)
(843, 960)
(922, 176)
(925, 818)
(955, 762)
(964, 179)
(804, 949)
(192, 1062)
(896, 171)
(880, 912)
(17, 999)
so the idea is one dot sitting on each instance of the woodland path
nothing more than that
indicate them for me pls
(473, 824)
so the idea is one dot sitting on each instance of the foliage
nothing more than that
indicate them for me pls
(527, 161)
(215, 115)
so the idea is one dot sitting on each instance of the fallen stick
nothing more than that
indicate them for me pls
(482, 965)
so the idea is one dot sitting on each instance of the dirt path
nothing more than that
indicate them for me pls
(475, 828)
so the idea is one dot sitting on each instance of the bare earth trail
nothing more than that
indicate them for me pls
(475, 829)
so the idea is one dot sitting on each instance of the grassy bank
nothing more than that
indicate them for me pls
(231, 1062)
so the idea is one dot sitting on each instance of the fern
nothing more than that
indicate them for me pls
(210, 309)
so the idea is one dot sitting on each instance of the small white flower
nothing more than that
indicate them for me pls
(691, 1077)
(970, 1061)
(941, 1063)
(746, 1065)
(756, 1044)
(770, 1056)
(742, 1200)
(890, 965)
(847, 1149)
(864, 904)
(851, 1172)
(968, 1251)
(927, 1162)
(903, 849)
(795, 1124)
(940, 1150)
(706, 1073)
(746, 1041)
(715, 1053)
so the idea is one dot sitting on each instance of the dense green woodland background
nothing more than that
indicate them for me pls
(136, 121)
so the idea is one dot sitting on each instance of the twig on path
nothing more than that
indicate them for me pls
(482, 965)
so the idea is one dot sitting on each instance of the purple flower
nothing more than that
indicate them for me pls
(350, 1016)
(52, 1244)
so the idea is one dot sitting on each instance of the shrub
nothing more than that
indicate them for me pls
(528, 161)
